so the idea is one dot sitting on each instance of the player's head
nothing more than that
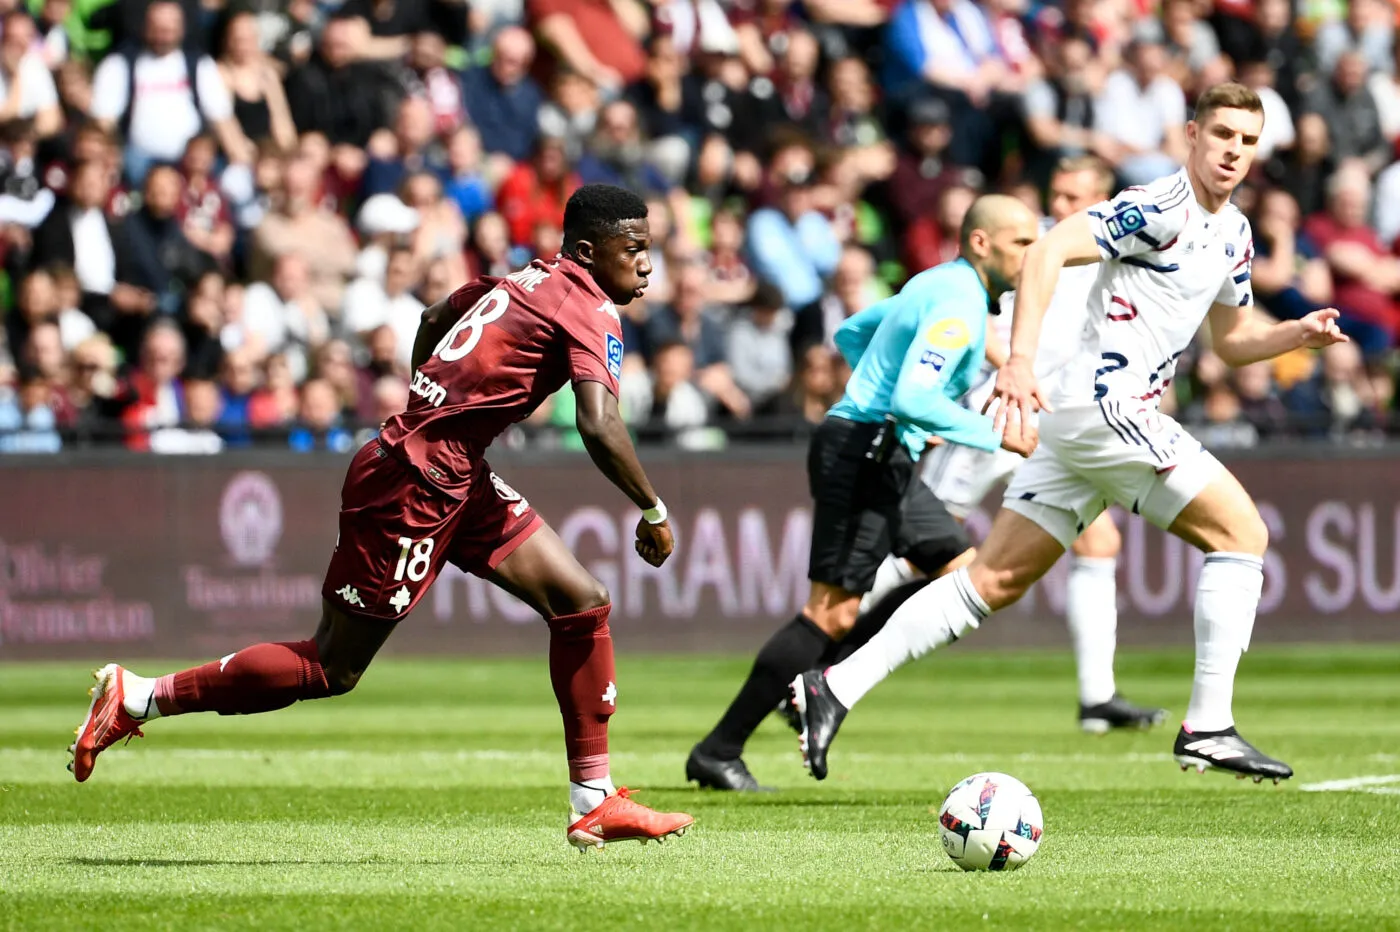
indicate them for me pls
(1224, 137)
(995, 233)
(1079, 182)
(606, 232)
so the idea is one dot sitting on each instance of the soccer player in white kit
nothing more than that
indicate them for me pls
(1171, 254)
(962, 476)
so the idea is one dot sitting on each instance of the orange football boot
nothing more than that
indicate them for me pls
(107, 722)
(618, 818)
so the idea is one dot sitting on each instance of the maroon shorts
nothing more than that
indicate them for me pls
(396, 532)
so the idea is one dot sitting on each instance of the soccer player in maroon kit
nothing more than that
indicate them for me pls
(422, 495)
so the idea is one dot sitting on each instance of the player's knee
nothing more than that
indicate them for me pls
(1247, 534)
(1000, 586)
(593, 594)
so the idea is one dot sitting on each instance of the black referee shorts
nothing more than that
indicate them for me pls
(865, 510)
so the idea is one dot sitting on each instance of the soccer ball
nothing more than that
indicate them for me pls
(990, 822)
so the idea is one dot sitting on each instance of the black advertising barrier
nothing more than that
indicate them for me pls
(125, 556)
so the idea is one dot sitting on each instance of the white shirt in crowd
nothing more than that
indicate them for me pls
(367, 307)
(95, 260)
(1279, 132)
(163, 115)
(278, 326)
(1138, 116)
(36, 88)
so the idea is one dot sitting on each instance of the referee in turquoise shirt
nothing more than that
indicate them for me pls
(913, 356)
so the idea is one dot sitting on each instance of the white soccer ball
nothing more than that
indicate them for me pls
(990, 822)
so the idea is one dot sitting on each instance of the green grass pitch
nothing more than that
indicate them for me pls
(433, 797)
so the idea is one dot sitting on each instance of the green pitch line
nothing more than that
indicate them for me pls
(433, 797)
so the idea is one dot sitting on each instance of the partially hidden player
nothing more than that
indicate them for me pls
(1172, 254)
(962, 476)
(912, 355)
(422, 495)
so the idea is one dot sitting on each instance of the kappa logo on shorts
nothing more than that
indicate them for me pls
(509, 494)
(950, 333)
(1126, 222)
(351, 595)
(613, 355)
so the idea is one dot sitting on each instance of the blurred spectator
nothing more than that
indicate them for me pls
(238, 378)
(1388, 206)
(50, 21)
(1302, 170)
(93, 390)
(385, 222)
(438, 284)
(1190, 42)
(78, 234)
(441, 229)
(816, 387)
(203, 210)
(333, 94)
(163, 260)
(949, 45)
(42, 354)
(597, 39)
(1368, 32)
(1385, 90)
(154, 395)
(536, 190)
(731, 280)
(195, 435)
(931, 240)
(1278, 132)
(1142, 112)
(852, 290)
(798, 98)
(571, 112)
(410, 149)
(792, 245)
(677, 402)
(318, 424)
(687, 321)
(1366, 279)
(301, 226)
(1353, 120)
(370, 304)
(27, 420)
(160, 94)
(38, 303)
(390, 395)
(465, 185)
(335, 365)
(285, 318)
(855, 124)
(489, 253)
(659, 100)
(203, 327)
(760, 354)
(275, 404)
(255, 85)
(434, 83)
(503, 100)
(923, 171)
(384, 29)
(27, 90)
(1060, 107)
(1291, 278)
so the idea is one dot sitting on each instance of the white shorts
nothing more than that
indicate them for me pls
(962, 476)
(1096, 455)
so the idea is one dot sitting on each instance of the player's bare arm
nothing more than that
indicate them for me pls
(433, 326)
(609, 444)
(1239, 337)
(1069, 242)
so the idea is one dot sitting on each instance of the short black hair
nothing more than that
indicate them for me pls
(597, 211)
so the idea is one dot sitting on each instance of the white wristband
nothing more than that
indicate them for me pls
(656, 514)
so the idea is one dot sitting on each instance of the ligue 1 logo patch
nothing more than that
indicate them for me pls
(1126, 222)
(613, 355)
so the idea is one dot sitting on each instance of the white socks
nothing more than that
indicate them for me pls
(585, 797)
(895, 571)
(139, 696)
(1091, 610)
(938, 614)
(1227, 596)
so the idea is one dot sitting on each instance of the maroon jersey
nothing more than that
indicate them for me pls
(517, 340)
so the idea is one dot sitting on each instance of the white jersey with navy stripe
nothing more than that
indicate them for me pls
(1166, 261)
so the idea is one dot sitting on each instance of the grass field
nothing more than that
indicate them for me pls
(432, 798)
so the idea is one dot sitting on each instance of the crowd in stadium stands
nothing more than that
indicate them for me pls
(220, 220)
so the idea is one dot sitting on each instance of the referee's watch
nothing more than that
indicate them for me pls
(656, 514)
